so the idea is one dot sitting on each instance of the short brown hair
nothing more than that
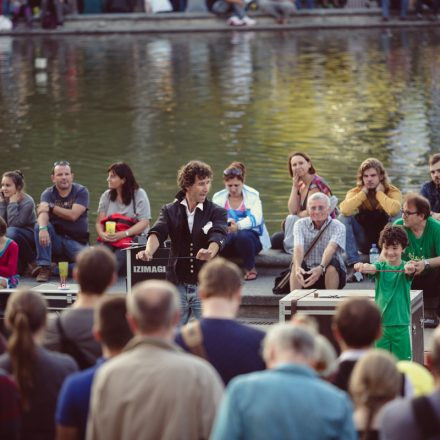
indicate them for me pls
(358, 321)
(220, 278)
(187, 174)
(392, 235)
(111, 321)
(153, 305)
(95, 267)
(419, 202)
(3, 227)
(434, 159)
(305, 156)
(372, 162)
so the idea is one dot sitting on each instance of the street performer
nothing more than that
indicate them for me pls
(197, 229)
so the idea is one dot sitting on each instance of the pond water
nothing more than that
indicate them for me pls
(157, 101)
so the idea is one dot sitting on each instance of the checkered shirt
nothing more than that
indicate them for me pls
(304, 232)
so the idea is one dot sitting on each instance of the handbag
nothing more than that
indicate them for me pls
(282, 281)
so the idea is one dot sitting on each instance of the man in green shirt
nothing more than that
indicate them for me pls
(423, 250)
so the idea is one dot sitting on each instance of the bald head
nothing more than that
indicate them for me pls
(153, 305)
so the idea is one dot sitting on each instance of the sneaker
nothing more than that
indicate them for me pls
(354, 277)
(235, 21)
(43, 275)
(248, 21)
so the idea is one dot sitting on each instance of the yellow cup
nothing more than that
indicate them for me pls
(110, 227)
(63, 267)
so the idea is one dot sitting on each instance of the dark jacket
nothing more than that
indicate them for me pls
(173, 223)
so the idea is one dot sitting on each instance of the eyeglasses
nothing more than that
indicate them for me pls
(232, 172)
(61, 163)
(318, 208)
(408, 213)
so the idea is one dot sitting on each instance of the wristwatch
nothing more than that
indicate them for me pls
(323, 268)
(51, 206)
(427, 265)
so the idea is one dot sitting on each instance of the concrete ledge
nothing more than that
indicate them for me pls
(206, 22)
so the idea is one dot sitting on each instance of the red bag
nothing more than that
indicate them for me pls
(122, 224)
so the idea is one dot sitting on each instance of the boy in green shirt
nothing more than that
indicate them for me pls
(393, 283)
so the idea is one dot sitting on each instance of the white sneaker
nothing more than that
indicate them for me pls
(235, 21)
(247, 21)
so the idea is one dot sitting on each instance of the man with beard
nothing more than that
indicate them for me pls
(431, 190)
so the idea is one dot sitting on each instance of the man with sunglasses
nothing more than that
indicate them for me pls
(62, 224)
(424, 250)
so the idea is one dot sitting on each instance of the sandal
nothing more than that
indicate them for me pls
(250, 275)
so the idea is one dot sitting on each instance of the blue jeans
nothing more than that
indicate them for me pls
(26, 245)
(386, 8)
(221, 7)
(244, 244)
(60, 246)
(310, 4)
(355, 238)
(189, 302)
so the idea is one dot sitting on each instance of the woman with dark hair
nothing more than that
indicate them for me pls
(305, 182)
(39, 373)
(125, 204)
(247, 233)
(18, 211)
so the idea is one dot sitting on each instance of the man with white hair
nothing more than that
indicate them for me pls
(418, 418)
(319, 243)
(286, 401)
(153, 390)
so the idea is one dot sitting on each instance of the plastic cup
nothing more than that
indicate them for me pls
(63, 267)
(110, 228)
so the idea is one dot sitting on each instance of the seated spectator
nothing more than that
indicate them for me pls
(232, 348)
(236, 9)
(9, 408)
(38, 373)
(305, 182)
(280, 9)
(21, 8)
(418, 418)
(62, 228)
(154, 390)
(319, 242)
(366, 210)
(286, 401)
(386, 9)
(247, 233)
(125, 204)
(8, 259)
(431, 190)
(310, 4)
(356, 326)
(424, 251)
(111, 330)
(72, 331)
(52, 13)
(17, 209)
(375, 381)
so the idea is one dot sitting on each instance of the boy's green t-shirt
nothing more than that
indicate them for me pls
(392, 294)
(427, 245)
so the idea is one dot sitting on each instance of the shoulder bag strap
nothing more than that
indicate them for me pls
(315, 240)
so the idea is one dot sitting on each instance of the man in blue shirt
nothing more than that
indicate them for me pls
(112, 330)
(288, 400)
(62, 223)
(232, 348)
(431, 190)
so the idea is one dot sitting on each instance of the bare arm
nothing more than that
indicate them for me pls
(316, 272)
(71, 215)
(297, 272)
(208, 254)
(365, 268)
(150, 249)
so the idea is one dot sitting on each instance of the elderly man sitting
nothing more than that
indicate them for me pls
(319, 244)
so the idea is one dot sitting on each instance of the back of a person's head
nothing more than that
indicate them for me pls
(95, 268)
(153, 305)
(358, 322)
(374, 381)
(291, 340)
(111, 321)
(325, 356)
(220, 278)
(25, 315)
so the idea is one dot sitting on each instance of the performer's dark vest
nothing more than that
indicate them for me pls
(187, 268)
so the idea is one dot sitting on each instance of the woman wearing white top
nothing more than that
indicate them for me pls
(126, 198)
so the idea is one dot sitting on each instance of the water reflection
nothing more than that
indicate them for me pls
(158, 101)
